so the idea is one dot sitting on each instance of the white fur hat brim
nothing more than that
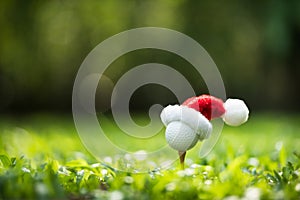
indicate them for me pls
(185, 126)
(194, 119)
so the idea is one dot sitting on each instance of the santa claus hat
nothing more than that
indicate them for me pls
(234, 112)
(189, 122)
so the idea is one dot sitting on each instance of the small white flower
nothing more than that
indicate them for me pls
(104, 172)
(24, 169)
(186, 172)
(80, 173)
(252, 193)
(253, 161)
(108, 160)
(171, 186)
(140, 155)
(208, 182)
(96, 165)
(128, 179)
(116, 195)
(194, 166)
(128, 156)
(189, 171)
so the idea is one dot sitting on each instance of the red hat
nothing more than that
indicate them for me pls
(209, 106)
(234, 111)
(189, 122)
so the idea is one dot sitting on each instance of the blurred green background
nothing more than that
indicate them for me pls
(255, 45)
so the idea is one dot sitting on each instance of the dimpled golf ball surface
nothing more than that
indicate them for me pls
(180, 136)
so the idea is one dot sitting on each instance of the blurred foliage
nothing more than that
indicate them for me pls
(42, 44)
(42, 158)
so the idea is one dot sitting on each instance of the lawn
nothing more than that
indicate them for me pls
(42, 157)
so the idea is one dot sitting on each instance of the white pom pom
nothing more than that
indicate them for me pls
(236, 112)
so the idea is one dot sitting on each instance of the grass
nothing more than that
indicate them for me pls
(41, 157)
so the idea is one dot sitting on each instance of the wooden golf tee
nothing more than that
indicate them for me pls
(182, 157)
